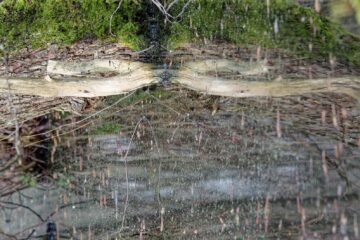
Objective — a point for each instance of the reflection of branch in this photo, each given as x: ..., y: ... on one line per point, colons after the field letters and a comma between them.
x: 162, y: 209
x: 23, y: 206
x: 68, y: 205
x: 29, y: 228
x: 126, y: 174
x: 30, y: 235
x: 45, y: 236
x: 39, y: 216
x: 126, y: 169
x: 8, y: 235
x: 14, y: 188
x: 43, y: 221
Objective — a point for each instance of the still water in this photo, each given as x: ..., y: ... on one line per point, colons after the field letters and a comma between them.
x: 175, y: 164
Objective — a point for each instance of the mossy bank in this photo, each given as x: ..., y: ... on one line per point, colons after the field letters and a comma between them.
x: 280, y: 24
x: 39, y: 22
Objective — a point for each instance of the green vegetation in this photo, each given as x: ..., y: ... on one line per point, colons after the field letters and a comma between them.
x: 64, y: 180
x: 343, y: 8
x: 28, y: 179
x: 282, y: 24
x: 107, y: 128
x: 36, y: 23
x: 142, y: 95
x: 161, y: 93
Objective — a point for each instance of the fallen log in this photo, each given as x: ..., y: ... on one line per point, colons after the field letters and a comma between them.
x: 83, y: 79
x: 234, y: 79
x: 212, y: 76
x: 276, y: 88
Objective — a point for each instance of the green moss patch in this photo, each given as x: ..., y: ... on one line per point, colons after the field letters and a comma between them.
x: 281, y: 24
x: 27, y: 23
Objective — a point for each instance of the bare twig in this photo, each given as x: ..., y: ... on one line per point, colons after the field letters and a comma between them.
x: 145, y: 50
x: 8, y: 235
x: 165, y: 10
x: 112, y: 15
x: 183, y: 9
x: 171, y: 4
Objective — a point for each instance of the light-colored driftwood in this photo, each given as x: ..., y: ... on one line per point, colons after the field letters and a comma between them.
x: 83, y: 79
x: 236, y: 79
x: 213, y: 76
x: 276, y: 88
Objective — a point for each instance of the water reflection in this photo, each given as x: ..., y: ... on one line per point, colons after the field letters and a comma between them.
x: 189, y: 166
x: 170, y: 163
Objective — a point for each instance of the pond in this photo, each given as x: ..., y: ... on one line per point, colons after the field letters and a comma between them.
x: 159, y: 164
x: 210, y: 140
